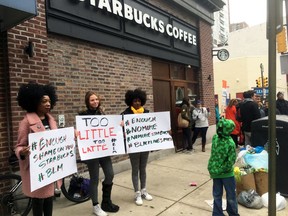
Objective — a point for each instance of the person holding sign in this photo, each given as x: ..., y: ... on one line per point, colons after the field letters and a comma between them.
x: 135, y: 100
x: 93, y: 106
x: 37, y: 100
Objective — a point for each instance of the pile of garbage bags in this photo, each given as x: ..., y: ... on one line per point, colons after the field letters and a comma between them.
x: 251, y: 174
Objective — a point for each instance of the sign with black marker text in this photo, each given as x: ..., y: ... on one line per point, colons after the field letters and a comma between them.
x: 147, y: 132
x: 99, y: 136
x: 52, y: 156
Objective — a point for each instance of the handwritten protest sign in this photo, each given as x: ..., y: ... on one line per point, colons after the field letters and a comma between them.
x: 99, y: 136
x: 147, y: 132
x: 52, y: 156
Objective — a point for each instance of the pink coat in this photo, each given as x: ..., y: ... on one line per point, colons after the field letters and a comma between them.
x: 32, y: 124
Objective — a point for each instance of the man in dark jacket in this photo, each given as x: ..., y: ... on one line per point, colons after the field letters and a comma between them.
x: 249, y: 112
x: 281, y: 104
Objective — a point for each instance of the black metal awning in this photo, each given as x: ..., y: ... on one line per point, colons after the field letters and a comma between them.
x: 13, y: 12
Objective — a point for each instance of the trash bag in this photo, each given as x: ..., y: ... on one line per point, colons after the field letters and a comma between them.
x: 281, y: 202
x: 257, y: 160
x: 250, y: 199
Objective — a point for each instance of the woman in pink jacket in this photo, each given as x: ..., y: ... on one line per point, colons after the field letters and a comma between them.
x: 37, y: 100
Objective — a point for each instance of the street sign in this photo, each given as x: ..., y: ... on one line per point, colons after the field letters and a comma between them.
x: 259, y: 91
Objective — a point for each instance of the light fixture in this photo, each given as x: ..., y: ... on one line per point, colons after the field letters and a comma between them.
x: 29, y: 49
x: 209, y: 78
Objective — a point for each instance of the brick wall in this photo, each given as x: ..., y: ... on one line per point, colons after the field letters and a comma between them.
x: 22, y: 68
x: 4, y: 125
x: 206, y: 69
x: 77, y: 66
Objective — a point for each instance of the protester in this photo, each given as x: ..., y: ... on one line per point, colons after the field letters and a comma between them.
x: 187, y: 132
x: 135, y: 100
x: 93, y: 105
x: 38, y: 100
x: 200, y: 115
x: 282, y: 104
x: 220, y: 167
x: 249, y: 112
x: 230, y: 113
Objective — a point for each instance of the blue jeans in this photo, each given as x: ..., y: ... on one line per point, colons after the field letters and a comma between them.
x: 230, y: 187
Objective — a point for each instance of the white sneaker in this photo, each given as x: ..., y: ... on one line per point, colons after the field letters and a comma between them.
x: 145, y: 195
x: 98, y: 211
x: 138, y: 199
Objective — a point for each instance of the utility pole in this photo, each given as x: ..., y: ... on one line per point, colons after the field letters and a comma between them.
x: 274, y: 26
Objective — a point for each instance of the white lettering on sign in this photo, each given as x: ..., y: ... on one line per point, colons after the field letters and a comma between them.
x: 133, y: 14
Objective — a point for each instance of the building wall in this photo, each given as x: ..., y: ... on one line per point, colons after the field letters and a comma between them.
x: 206, y: 85
x: 248, y: 48
x: 76, y: 66
x: 4, y: 124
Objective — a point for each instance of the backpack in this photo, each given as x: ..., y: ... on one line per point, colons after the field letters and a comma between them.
x: 79, y: 185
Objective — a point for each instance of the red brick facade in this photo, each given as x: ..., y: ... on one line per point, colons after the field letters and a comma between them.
x: 75, y: 67
x: 206, y: 68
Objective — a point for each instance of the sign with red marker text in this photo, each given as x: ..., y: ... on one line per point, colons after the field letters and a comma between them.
x: 99, y: 136
x: 147, y: 132
x: 52, y: 156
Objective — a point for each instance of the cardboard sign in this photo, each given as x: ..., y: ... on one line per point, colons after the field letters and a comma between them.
x: 99, y: 136
x: 147, y: 132
x: 52, y: 156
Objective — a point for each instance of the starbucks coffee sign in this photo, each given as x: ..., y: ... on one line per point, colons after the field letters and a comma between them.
x: 131, y: 25
x: 142, y: 18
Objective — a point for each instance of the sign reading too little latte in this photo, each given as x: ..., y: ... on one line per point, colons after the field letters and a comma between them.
x: 99, y: 136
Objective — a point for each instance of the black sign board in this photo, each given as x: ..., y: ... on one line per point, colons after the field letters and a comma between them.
x: 131, y: 25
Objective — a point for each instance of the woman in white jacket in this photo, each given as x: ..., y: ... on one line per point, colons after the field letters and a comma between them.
x: 200, y: 115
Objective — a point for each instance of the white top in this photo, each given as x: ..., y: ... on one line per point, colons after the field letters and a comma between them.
x: 200, y: 115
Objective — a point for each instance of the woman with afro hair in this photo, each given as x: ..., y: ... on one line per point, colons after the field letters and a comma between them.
x: 37, y: 100
x: 135, y: 100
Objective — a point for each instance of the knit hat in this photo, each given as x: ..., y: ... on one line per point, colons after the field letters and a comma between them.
x: 225, y: 127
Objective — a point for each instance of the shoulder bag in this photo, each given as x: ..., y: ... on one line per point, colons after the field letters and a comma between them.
x: 182, y: 123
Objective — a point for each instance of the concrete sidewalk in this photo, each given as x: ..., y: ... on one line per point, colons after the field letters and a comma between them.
x: 168, y: 178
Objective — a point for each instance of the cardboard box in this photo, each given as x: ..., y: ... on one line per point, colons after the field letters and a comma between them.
x: 247, y: 182
x: 261, y: 180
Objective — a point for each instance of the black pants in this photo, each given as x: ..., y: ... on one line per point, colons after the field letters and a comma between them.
x: 187, y: 141
x: 203, y: 132
x: 41, y: 206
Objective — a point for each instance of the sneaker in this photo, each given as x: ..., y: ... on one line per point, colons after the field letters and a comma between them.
x: 98, y: 211
x: 145, y: 195
x: 138, y: 199
x: 57, y: 192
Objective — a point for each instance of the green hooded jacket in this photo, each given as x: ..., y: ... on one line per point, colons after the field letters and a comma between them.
x: 223, y: 152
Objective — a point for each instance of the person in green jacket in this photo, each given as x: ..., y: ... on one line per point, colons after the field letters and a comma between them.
x: 221, y: 168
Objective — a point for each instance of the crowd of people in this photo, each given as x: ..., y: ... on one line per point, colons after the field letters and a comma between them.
x: 38, y: 100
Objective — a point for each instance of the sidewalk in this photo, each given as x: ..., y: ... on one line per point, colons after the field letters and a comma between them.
x: 168, y: 181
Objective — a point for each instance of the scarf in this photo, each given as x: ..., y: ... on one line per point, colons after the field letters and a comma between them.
x: 138, y: 111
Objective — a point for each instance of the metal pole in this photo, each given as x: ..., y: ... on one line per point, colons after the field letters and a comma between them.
x: 273, y: 16
x: 262, y: 81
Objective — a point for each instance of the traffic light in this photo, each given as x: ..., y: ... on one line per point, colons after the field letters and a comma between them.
x: 258, y: 82
x: 265, y: 82
x: 281, y: 41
